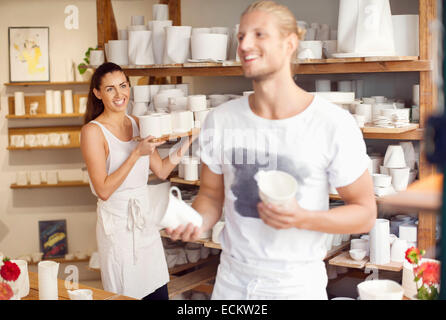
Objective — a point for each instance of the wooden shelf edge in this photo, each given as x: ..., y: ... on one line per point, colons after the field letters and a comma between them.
x: 43, y: 148
x: 328, y: 66
x: 62, y: 260
x: 45, y: 83
x: 45, y: 185
x: 182, y: 181
x: 344, y: 260
x: 46, y: 116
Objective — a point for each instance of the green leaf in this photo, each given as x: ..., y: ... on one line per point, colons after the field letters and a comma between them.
x: 82, y: 67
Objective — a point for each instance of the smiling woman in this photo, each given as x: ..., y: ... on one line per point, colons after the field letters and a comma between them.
x: 118, y: 165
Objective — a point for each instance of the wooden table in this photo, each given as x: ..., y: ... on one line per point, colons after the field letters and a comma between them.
x: 63, y: 294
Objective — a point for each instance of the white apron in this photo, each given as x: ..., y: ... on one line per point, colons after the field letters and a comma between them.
x: 239, y: 281
x: 129, y: 244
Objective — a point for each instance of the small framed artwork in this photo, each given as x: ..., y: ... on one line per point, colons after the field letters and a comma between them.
x: 53, y: 238
x: 29, y: 58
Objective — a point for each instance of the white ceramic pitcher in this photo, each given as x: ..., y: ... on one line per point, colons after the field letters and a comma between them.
x: 179, y: 212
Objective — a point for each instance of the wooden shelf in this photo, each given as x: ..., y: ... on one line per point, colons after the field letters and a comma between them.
x: 182, y: 181
x: 39, y: 83
x: 46, y: 185
x: 320, y: 66
x: 62, y: 260
x: 47, y: 116
x: 337, y: 249
x: 373, y: 129
x: 417, y: 134
x: 344, y: 260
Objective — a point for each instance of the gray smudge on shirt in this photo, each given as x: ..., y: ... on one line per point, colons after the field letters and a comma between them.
x: 244, y: 187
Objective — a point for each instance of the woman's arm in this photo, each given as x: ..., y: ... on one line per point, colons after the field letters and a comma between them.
x: 94, y: 151
x: 163, y: 167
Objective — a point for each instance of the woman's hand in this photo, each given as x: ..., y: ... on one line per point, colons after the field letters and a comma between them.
x: 146, y: 147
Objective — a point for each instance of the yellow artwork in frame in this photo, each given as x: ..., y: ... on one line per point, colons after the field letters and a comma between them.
x: 29, y: 54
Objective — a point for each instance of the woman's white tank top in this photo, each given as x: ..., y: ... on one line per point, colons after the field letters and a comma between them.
x: 119, y: 151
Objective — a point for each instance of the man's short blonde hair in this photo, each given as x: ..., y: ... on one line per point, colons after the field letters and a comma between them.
x: 285, y: 18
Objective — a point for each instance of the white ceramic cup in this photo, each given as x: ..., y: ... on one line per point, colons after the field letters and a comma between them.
x: 314, y: 46
x: 179, y: 212
x: 18, y: 141
x: 400, y: 178
x: 398, y: 250
x: 65, y: 138
x: 182, y: 121
x: 22, y: 178
x: 150, y: 125
x: 276, y: 187
x: 197, y: 102
x: 34, y: 177
x: 190, y: 167
x: 54, y: 139
x: 30, y: 140
x: 141, y: 93
x: 42, y: 139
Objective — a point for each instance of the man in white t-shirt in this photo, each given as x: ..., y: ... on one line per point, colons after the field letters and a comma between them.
x: 271, y: 252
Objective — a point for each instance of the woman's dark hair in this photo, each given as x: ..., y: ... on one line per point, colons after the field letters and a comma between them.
x: 95, y: 106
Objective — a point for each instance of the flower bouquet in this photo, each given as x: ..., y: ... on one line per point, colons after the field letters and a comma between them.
x: 9, y: 272
x: 425, y: 272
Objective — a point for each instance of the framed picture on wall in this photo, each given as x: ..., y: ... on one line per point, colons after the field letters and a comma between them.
x: 29, y: 58
x: 53, y: 238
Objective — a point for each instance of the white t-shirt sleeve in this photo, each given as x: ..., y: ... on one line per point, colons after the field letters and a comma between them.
x: 210, y: 150
x: 349, y: 157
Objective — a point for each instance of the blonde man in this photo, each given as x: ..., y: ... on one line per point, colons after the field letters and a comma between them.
x: 271, y: 252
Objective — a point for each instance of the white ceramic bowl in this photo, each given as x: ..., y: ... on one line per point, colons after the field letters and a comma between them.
x: 357, y: 254
x: 380, y: 290
x: 381, y: 180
